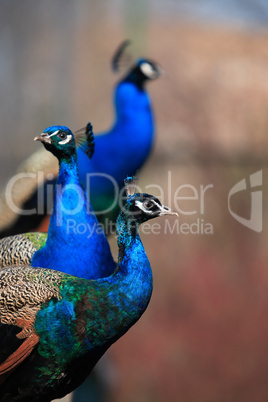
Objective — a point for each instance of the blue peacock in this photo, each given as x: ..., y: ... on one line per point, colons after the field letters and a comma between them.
x: 74, y: 232
x: 55, y: 327
x: 119, y: 153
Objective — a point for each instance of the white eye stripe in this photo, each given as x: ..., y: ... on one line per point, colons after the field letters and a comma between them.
x: 148, y: 70
x: 55, y: 133
x: 68, y: 139
x: 141, y: 206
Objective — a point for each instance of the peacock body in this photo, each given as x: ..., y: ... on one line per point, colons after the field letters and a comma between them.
x: 54, y: 327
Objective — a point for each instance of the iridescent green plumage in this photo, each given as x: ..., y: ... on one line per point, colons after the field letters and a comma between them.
x: 57, y: 326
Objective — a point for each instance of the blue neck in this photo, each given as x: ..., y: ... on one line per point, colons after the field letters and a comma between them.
x: 129, y: 289
x: 75, y: 243
x: 131, y: 285
x: 68, y: 169
x: 133, y: 264
x: 69, y: 196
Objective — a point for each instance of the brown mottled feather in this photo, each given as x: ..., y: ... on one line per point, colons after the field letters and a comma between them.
x: 22, y: 292
x: 18, y: 249
x: 20, y: 354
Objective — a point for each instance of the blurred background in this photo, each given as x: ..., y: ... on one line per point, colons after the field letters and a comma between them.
x: 204, y: 336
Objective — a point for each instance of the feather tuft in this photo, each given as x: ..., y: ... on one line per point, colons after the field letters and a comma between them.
x: 120, y: 57
x: 84, y: 139
x: 130, y: 185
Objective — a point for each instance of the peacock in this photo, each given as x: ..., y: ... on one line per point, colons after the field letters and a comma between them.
x: 55, y: 327
x: 119, y: 152
x: 74, y: 232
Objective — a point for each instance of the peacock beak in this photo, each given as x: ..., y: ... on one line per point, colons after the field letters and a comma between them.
x: 160, y: 70
x: 167, y: 211
x: 43, y: 138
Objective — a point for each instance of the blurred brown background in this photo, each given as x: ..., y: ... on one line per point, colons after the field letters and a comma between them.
x: 204, y: 336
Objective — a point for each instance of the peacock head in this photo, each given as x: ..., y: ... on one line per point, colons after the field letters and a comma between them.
x: 140, y: 207
x: 61, y: 142
x: 140, y: 71
x: 149, y: 69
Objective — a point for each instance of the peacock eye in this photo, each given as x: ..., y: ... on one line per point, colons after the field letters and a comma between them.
x: 148, y: 204
x: 62, y: 135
